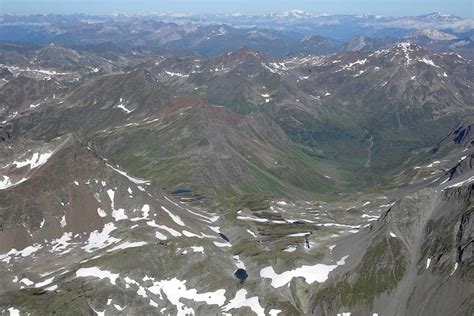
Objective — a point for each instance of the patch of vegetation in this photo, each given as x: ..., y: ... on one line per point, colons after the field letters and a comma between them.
x: 381, y: 268
x: 252, y: 201
x: 266, y: 252
x: 71, y: 300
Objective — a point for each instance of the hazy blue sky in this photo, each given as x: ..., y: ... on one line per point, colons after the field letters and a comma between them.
x: 382, y: 7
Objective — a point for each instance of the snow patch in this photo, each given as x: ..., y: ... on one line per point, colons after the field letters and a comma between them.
x: 461, y: 183
x: 238, y: 262
x: 160, y: 236
x: 222, y: 244
x: 119, y: 214
x: 251, y: 233
x: 197, y: 249
x: 299, y: 234
x: 27, y: 282
x: 101, y: 240
x: 61, y: 243
x: 45, y: 282
x: 174, y: 217
x: 428, y: 62
x: 127, y: 245
x: 13, y: 311
x: 122, y: 107
x: 175, y: 290
x: 255, y: 219
x: 101, y: 212
x: 241, y: 300
x: 35, y: 161
x: 26, y: 252
x: 318, y: 272
x: 173, y: 232
x: 133, y: 179
x: 97, y: 273
x: 176, y: 74
x: 455, y: 268
x: 63, y: 222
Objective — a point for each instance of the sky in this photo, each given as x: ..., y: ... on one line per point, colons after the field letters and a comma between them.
x: 462, y: 8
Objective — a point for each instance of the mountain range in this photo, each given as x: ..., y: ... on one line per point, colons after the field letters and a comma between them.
x: 151, y: 166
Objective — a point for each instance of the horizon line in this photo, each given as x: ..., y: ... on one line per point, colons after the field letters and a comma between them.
x: 230, y: 13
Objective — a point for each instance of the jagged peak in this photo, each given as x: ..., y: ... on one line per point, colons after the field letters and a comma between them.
x: 406, y: 46
x: 53, y: 49
x: 409, y: 51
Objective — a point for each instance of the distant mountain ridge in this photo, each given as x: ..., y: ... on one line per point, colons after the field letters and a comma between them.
x: 278, y: 34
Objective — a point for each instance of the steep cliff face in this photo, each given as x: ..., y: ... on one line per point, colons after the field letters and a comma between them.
x: 438, y: 279
x: 417, y: 259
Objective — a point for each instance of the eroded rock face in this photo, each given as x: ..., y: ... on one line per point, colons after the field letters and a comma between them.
x: 465, y: 238
x: 417, y: 245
